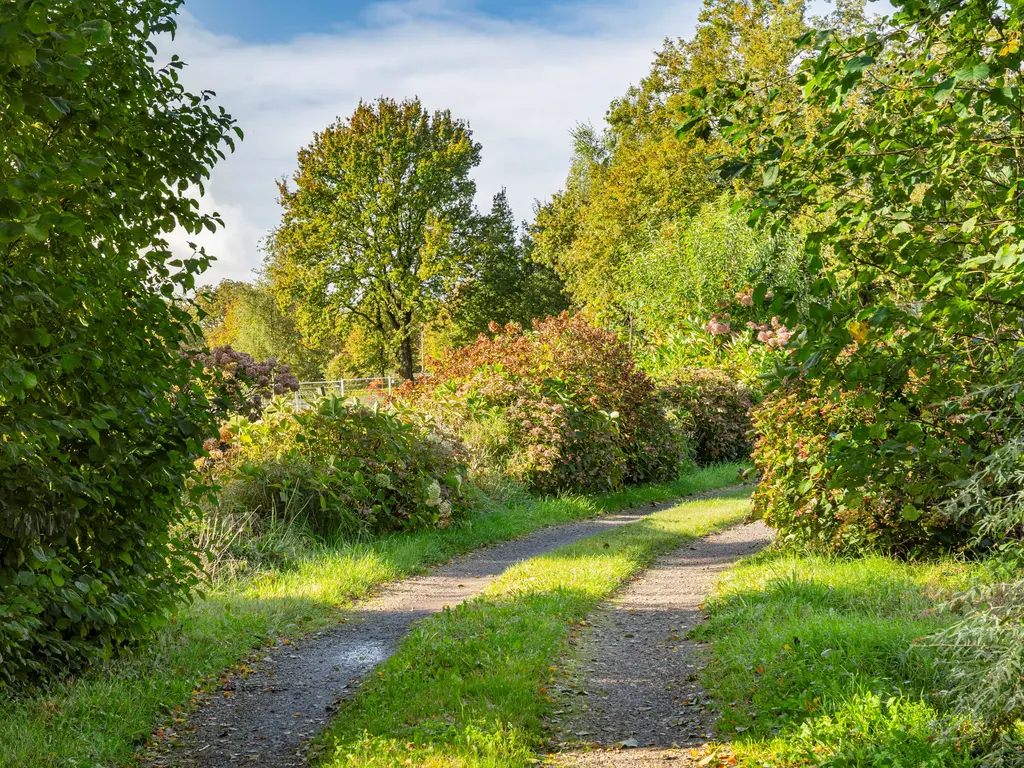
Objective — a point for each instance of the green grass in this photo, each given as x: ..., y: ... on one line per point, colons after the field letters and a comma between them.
x: 814, y: 662
x: 469, y: 687
x: 99, y: 719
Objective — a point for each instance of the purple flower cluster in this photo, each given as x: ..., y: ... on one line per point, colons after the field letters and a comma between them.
x: 245, y: 382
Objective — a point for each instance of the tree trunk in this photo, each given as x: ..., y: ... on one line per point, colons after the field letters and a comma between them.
x: 405, y: 359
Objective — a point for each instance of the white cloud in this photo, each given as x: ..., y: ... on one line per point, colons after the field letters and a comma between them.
x: 521, y: 87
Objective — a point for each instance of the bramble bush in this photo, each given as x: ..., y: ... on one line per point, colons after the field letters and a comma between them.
x: 100, y: 416
x: 559, y: 407
x: 713, y: 410
x: 813, y: 490
x: 339, y: 469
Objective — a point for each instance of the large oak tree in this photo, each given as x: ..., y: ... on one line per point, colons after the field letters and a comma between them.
x: 376, y: 223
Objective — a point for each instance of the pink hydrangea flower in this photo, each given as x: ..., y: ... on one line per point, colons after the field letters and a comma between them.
x: 719, y: 326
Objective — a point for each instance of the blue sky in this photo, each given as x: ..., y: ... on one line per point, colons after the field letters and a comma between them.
x: 522, y: 73
x: 278, y: 20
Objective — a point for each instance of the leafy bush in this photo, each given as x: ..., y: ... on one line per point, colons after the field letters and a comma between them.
x: 690, y: 345
x: 561, y: 407
x: 240, y: 384
x: 340, y: 468
x: 916, y: 277
x: 714, y: 410
x: 817, y: 497
x: 100, y: 417
x: 743, y: 339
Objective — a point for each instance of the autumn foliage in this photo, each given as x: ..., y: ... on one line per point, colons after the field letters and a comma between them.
x: 818, y: 497
x: 713, y: 410
x: 558, y: 407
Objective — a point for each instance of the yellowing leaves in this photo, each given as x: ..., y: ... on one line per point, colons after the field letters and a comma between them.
x: 859, y: 330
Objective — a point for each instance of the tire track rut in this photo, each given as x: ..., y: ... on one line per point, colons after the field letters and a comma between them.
x: 642, y: 704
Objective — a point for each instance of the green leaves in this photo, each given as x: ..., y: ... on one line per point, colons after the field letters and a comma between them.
x: 97, y: 31
x: 11, y: 231
x: 902, y: 153
x: 92, y: 460
x: 374, y: 228
x: 942, y: 91
x: 910, y: 513
x: 56, y: 107
x: 347, y: 469
x: 972, y: 74
x: 859, y: 63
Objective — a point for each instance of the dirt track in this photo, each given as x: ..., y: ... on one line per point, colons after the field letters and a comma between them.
x: 272, y: 714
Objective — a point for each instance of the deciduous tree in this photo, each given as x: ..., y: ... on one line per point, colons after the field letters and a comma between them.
x: 376, y: 223
x: 505, y: 284
x: 632, y: 184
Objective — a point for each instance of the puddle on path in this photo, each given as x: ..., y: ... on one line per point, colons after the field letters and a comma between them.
x: 362, y: 654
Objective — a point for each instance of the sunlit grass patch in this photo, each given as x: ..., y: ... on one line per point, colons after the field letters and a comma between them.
x: 815, y: 662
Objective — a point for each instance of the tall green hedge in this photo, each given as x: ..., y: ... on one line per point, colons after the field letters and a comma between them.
x: 99, y: 417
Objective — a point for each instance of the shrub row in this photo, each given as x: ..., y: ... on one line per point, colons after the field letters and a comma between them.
x: 713, y: 410
x: 559, y: 407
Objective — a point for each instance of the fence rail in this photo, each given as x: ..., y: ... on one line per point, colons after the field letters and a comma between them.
x: 367, y: 391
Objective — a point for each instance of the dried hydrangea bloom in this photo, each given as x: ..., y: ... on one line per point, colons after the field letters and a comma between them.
x: 245, y: 382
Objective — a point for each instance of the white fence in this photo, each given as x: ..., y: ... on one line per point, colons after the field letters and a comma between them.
x: 367, y: 391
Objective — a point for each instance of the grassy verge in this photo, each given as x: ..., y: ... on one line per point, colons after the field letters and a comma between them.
x: 470, y: 686
x: 815, y: 663
x: 100, y: 718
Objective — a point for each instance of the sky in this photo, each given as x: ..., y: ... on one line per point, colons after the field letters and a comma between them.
x: 523, y: 73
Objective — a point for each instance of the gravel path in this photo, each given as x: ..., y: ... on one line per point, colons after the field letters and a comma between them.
x: 642, y: 705
x: 271, y: 714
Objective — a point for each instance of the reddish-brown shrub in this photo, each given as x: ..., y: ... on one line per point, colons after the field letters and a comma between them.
x: 713, y: 409
x: 559, y: 407
x: 819, y: 498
